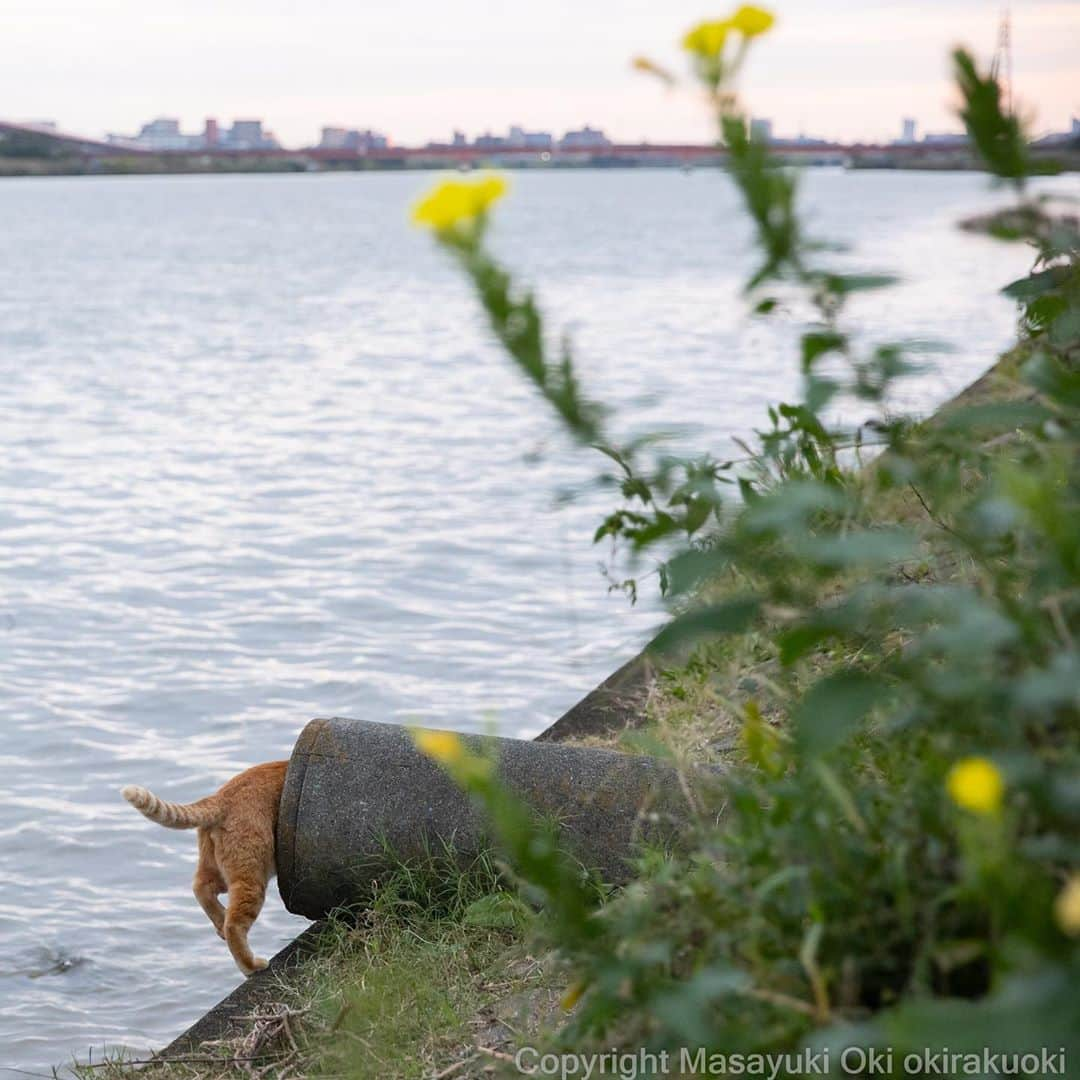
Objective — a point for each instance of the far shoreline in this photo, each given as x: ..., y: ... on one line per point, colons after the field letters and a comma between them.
x: 855, y: 159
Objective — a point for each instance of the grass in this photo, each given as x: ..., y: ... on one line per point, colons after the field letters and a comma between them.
x: 436, y: 969
x: 387, y: 996
x: 431, y: 972
x: 400, y: 997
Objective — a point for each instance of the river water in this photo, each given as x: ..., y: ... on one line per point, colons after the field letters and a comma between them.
x: 261, y: 463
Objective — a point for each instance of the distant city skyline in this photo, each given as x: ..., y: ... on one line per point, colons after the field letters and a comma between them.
x: 418, y: 72
x: 167, y: 134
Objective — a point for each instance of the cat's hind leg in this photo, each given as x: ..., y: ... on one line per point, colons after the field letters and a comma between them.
x: 246, y: 896
x: 209, y: 884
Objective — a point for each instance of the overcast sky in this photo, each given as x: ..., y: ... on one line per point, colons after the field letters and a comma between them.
x: 416, y: 69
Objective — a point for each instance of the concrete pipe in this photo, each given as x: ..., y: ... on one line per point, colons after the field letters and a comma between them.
x: 355, y: 790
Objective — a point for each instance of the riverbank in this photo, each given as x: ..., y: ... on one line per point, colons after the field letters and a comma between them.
x: 180, y: 164
x: 450, y: 975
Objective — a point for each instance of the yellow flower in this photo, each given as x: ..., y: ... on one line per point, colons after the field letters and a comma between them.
x: 469, y: 769
x: 444, y: 746
x: 1067, y: 907
x: 455, y: 202
x: 976, y: 785
x: 751, y: 21
x: 707, y: 38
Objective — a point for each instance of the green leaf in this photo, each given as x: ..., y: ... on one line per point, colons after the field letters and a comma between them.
x: 1034, y: 285
x: 1046, y: 688
x: 994, y: 417
x: 1045, y: 311
x: 791, y: 506
x: 819, y: 342
x: 796, y: 642
x: 1026, y: 1013
x: 712, y: 620
x: 849, y: 283
x: 690, y: 568
x: 1050, y: 377
x: 997, y: 137
x: 688, y: 1009
x: 970, y: 630
x: 833, y: 707
x: 819, y: 392
x: 1064, y: 328
x: 867, y: 547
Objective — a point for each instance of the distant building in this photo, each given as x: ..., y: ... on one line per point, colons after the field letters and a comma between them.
x: 585, y: 138
x: 519, y: 138
x: 804, y: 141
x: 908, y: 129
x: 530, y: 140
x: 1061, y: 138
x: 339, y: 138
x: 366, y: 140
x: 487, y: 141
x: 248, y: 135
x: 945, y: 138
x: 164, y: 134
x: 332, y: 138
x: 761, y: 129
x: 458, y: 141
x: 163, y: 127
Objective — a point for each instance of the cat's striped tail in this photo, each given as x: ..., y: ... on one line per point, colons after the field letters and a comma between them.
x: 196, y: 815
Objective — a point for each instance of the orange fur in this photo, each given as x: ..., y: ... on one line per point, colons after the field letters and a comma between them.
x: 236, y: 849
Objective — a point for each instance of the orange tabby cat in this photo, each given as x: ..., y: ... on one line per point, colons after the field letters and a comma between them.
x: 236, y: 848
